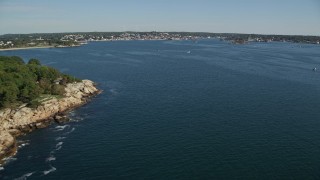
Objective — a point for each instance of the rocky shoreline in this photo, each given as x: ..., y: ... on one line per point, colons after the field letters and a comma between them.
x: 16, y: 122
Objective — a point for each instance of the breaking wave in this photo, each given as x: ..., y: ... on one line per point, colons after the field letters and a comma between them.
x: 52, y: 169
x: 25, y: 176
x: 60, y: 138
x: 51, y: 158
x: 61, y: 128
x: 10, y: 159
x: 70, y: 131
x: 23, y: 145
x: 59, y: 144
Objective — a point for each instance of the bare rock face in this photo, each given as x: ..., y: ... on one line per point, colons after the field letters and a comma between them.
x: 6, y: 140
x: 7, y: 144
x: 25, y: 119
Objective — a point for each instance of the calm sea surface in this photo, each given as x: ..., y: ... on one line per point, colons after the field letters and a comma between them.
x: 222, y: 111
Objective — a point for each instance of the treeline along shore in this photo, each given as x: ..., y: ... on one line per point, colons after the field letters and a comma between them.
x: 33, y: 96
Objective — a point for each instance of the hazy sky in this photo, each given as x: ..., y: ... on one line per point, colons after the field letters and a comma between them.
x: 238, y: 16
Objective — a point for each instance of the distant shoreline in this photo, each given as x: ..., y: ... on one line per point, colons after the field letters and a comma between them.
x: 12, y: 49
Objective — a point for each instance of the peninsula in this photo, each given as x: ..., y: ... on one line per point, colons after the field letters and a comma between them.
x: 33, y: 96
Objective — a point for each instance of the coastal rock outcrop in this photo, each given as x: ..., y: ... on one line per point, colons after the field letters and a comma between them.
x: 14, y: 122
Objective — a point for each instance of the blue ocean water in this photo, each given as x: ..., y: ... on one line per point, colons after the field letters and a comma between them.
x: 221, y: 111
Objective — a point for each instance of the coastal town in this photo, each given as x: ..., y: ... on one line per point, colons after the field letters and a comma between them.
x: 127, y: 36
x: 9, y: 41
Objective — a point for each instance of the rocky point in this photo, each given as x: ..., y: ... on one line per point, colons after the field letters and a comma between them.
x: 14, y: 122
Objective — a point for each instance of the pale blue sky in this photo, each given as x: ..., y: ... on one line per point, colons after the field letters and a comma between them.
x: 230, y: 16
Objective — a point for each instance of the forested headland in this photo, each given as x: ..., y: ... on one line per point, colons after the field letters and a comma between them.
x: 28, y: 83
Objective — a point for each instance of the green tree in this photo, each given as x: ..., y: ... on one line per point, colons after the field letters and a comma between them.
x: 8, y: 94
x: 34, y: 61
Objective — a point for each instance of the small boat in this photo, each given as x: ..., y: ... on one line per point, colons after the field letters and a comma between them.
x: 314, y: 69
x: 188, y: 52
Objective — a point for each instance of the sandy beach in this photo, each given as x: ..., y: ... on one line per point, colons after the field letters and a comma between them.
x: 11, y: 49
